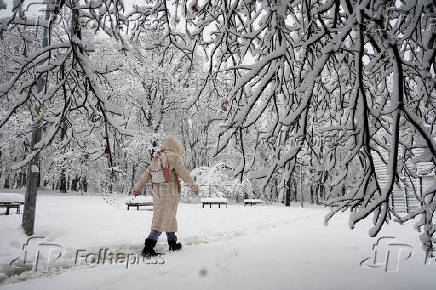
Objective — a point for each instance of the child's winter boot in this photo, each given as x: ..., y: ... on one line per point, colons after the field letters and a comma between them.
x: 148, y: 248
x: 174, y: 246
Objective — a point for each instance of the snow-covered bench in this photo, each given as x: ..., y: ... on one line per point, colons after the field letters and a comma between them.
x: 213, y: 200
x: 9, y: 205
x: 11, y: 200
x: 139, y: 201
x: 252, y: 202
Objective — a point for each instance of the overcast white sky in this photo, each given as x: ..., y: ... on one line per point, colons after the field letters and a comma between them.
x: 34, y: 8
x: 4, y: 12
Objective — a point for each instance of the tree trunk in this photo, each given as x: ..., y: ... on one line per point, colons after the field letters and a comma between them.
x: 84, y: 184
x: 288, y: 192
x: 23, y: 178
x: 312, y: 200
x: 74, y: 184
x: 133, y: 176
x: 63, y: 182
x: 28, y: 220
x: 33, y: 175
x: 6, y: 181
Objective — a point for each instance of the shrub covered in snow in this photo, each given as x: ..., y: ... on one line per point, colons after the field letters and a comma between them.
x: 217, y: 181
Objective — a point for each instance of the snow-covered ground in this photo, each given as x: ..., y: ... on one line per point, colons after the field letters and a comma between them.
x: 261, y: 247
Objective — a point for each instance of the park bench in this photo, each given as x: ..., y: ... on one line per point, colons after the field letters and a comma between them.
x: 8, y: 205
x: 251, y: 202
x: 11, y: 200
x: 210, y: 201
x: 138, y: 204
x: 140, y: 201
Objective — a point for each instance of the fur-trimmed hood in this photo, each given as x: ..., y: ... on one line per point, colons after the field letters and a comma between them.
x: 172, y: 144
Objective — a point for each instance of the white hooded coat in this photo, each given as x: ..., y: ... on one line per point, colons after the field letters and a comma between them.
x: 166, y: 196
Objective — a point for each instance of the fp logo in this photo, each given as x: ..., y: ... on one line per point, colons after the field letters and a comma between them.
x: 388, y: 254
x: 38, y: 254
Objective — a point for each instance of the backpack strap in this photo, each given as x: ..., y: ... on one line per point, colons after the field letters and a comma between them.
x: 159, y: 154
x: 178, y: 182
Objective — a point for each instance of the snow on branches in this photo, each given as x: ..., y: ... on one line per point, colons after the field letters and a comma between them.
x: 358, y: 74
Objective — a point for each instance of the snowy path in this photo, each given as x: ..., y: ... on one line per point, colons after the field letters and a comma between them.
x: 263, y: 247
